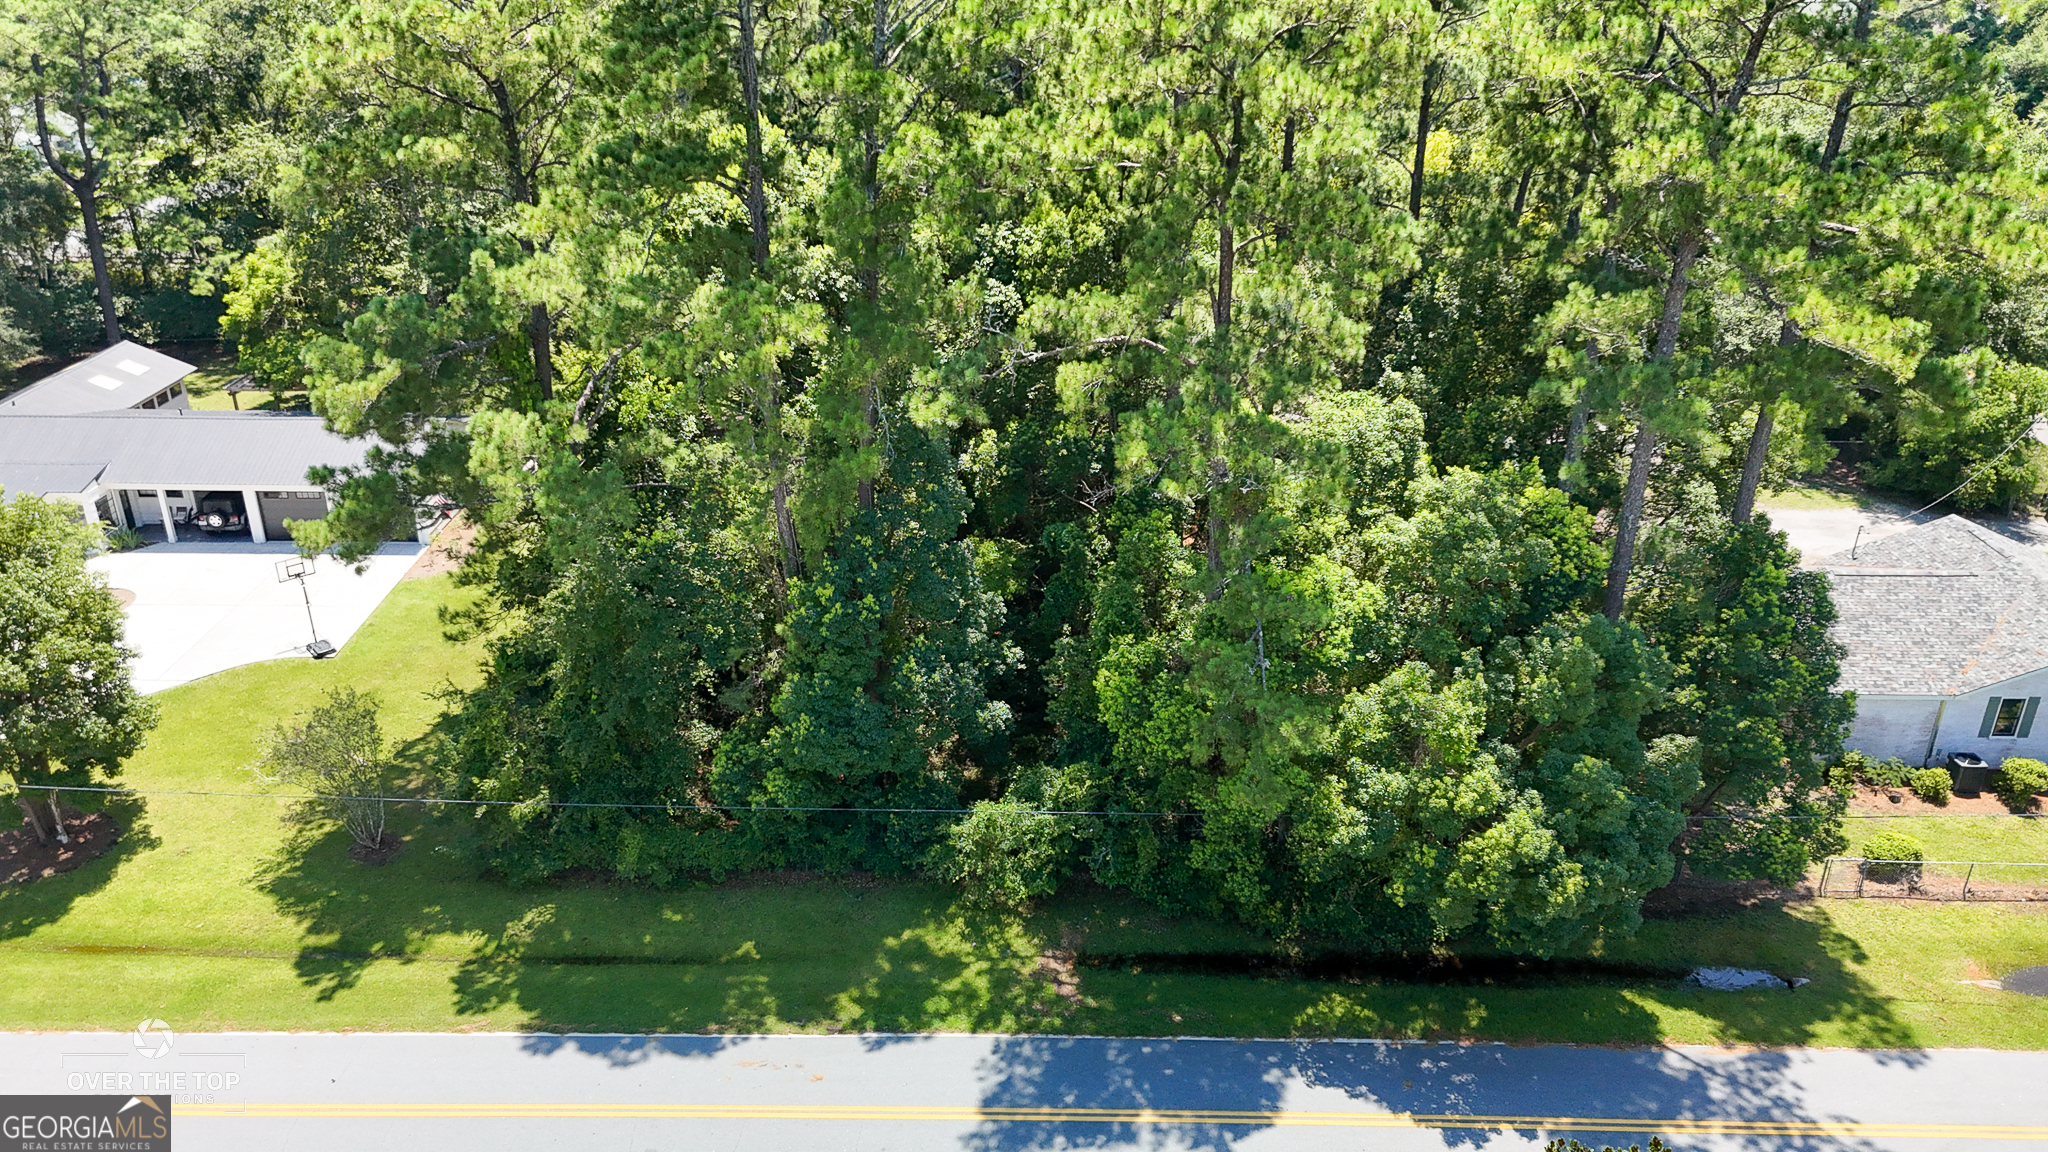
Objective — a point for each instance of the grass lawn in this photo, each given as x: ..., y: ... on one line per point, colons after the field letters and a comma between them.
x: 214, y: 913
x: 207, y: 387
x: 1993, y: 838
x: 1823, y: 492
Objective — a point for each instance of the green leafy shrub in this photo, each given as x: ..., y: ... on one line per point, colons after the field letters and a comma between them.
x: 1930, y: 784
x: 1850, y: 768
x: 124, y: 540
x: 1562, y: 1145
x: 1893, y: 856
x: 1891, y: 773
x: 1003, y: 853
x: 2019, y: 778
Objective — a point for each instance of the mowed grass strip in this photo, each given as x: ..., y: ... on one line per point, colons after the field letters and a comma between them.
x: 216, y: 913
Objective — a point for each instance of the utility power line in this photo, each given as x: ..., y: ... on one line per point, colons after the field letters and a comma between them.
x: 690, y: 807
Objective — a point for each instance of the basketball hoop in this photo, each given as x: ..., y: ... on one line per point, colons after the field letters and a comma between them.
x: 298, y: 568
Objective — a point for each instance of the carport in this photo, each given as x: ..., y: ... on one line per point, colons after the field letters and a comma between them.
x: 177, y: 471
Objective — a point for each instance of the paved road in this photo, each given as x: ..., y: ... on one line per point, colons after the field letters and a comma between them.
x: 1010, y: 1093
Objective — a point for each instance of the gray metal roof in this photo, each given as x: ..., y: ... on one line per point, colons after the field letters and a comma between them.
x: 42, y: 479
x: 121, y: 377
x: 1940, y: 609
x: 172, y: 447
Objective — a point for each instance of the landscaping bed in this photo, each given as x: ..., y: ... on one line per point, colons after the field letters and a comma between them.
x: 24, y: 859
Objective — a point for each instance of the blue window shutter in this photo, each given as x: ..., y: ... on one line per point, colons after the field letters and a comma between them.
x: 2027, y: 721
x: 1990, y: 717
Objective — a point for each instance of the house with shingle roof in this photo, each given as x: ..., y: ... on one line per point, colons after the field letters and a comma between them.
x: 1946, y: 631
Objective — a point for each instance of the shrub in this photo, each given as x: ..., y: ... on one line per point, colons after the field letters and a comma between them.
x: 2018, y: 779
x: 1005, y: 854
x: 1894, y: 857
x: 124, y: 540
x: 1853, y: 766
x: 1931, y: 785
x: 1891, y: 773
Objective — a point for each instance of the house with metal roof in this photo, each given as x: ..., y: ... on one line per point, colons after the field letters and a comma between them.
x: 117, y: 433
x: 1946, y: 631
x: 124, y: 376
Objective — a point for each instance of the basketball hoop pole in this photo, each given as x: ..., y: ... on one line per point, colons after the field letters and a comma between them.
x: 298, y: 569
x: 308, y: 597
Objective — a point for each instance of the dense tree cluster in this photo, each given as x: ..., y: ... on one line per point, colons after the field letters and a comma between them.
x: 1294, y: 459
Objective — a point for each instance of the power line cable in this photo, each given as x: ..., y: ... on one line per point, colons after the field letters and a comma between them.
x: 683, y: 807
x: 1985, y: 467
x: 676, y: 807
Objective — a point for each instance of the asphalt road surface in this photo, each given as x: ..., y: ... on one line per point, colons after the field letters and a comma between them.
x: 273, y: 1091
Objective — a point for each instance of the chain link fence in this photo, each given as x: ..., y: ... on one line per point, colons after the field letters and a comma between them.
x: 1858, y: 876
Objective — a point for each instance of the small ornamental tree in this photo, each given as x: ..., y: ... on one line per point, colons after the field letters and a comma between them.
x: 337, y: 755
x: 67, y: 706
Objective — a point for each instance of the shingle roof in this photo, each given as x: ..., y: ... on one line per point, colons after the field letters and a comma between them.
x: 120, y: 377
x: 172, y: 446
x: 1939, y: 609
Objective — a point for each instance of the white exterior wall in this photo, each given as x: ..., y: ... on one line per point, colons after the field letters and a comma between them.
x: 1965, y: 715
x: 1900, y: 726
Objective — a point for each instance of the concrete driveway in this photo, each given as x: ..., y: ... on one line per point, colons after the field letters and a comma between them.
x: 1821, y: 532
x: 204, y: 607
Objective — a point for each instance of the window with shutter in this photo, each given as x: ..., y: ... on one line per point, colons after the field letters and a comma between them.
x: 2027, y: 721
x: 2011, y: 711
x: 1990, y: 717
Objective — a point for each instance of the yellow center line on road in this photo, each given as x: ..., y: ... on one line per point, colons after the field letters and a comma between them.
x: 981, y: 1114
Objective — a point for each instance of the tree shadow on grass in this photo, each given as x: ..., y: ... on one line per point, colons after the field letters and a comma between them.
x: 1839, y: 1006
x: 922, y: 965
x: 775, y: 953
x: 353, y: 915
x: 27, y: 907
x: 766, y: 953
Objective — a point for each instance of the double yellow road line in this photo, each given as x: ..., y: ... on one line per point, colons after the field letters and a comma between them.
x: 970, y: 1114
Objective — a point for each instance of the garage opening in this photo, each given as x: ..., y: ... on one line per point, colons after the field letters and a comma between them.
x: 278, y: 507
x: 219, y: 516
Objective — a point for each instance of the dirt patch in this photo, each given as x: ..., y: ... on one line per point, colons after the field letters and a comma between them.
x: 451, y: 545
x: 122, y: 596
x: 1876, y: 801
x: 23, y: 860
x: 1843, y: 882
x: 1702, y: 895
x: 378, y: 854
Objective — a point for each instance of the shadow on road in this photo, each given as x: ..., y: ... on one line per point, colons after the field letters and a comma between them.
x: 1494, y: 1084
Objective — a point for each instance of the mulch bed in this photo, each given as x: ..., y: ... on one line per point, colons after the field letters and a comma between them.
x: 1873, y: 801
x: 383, y: 852
x: 446, y: 554
x: 23, y: 860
